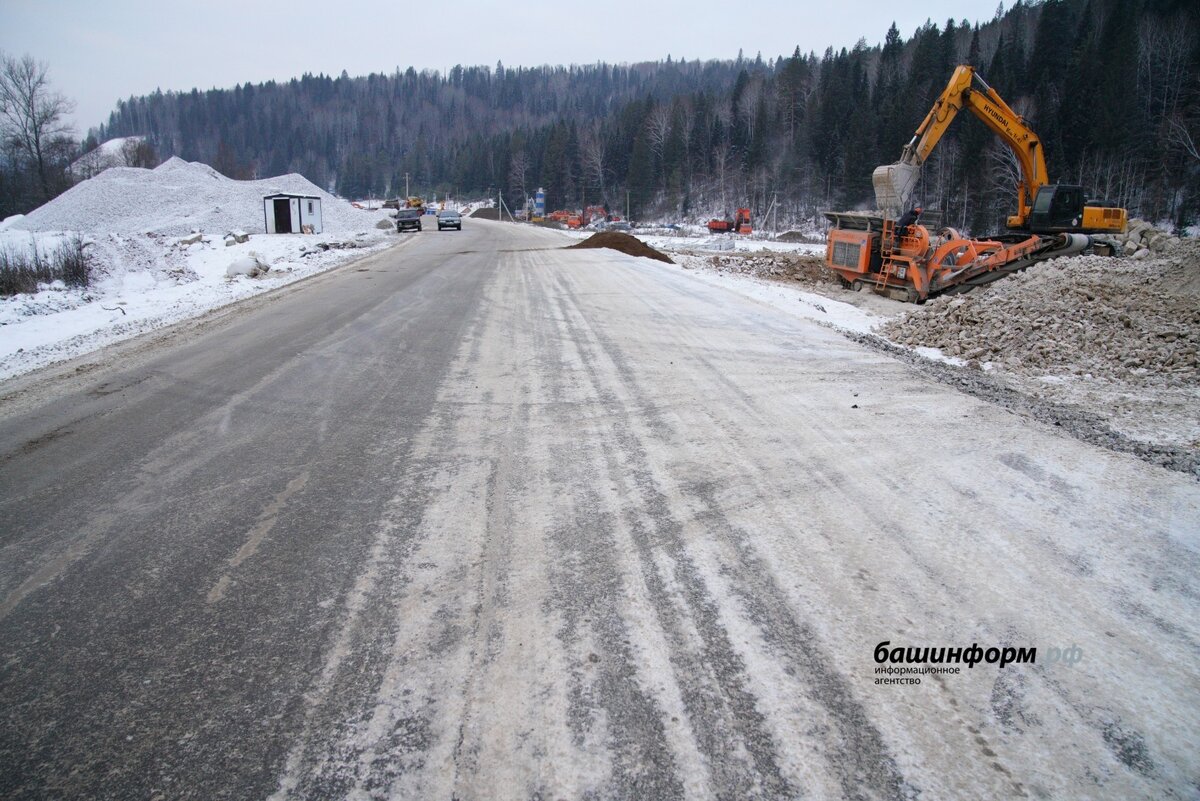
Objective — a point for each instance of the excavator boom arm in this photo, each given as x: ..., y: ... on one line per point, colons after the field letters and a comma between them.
x: 893, y: 183
x: 938, y: 120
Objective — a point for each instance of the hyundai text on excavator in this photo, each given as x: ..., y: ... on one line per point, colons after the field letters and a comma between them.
x: 1051, y: 219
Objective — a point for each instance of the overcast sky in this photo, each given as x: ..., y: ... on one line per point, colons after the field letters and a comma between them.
x: 103, y: 50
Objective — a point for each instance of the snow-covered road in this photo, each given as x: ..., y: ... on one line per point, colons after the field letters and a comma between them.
x: 480, y: 518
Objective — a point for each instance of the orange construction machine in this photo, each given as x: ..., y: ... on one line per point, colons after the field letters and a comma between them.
x: 589, y: 215
x: 740, y: 224
x: 904, y: 258
x: 1042, y: 207
x: 910, y: 263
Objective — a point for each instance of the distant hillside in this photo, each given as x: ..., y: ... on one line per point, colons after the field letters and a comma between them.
x: 1111, y: 86
x: 360, y: 135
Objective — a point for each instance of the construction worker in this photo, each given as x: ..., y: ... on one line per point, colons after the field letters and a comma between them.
x: 907, y: 220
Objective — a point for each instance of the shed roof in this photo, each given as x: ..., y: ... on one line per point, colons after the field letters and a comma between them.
x: 290, y: 194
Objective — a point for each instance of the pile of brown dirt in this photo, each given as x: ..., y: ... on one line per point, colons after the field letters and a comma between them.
x: 615, y: 240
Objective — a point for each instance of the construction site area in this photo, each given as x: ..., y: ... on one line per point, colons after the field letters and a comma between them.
x: 1075, y: 314
x: 642, y: 497
x: 1108, y: 348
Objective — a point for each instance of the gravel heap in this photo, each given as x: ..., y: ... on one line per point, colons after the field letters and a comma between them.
x: 178, y: 197
x: 1133, y: 320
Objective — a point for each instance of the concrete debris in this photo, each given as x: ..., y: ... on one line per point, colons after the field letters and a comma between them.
x: 192, y: 239
x: 236, y: 238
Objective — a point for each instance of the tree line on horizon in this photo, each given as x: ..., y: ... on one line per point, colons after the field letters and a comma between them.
x: 1112, y: 87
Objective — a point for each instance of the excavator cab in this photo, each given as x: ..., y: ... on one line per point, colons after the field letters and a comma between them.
x: 1060, y: 208
x: 1056, y: 207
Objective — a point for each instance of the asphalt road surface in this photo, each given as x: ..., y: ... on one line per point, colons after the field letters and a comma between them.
x: 480, y: 518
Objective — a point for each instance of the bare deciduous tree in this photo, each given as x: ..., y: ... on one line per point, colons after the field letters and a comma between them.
x: 721, y: 158
x: 748, y: 106
x: 518, y: 168
x: 138, y: 152
x: 32, y: 115
x: 592, y: 158
x: 1179, y: 135
x: 1005, y: 173
x: 658, y: 127
x: 1164, y: 47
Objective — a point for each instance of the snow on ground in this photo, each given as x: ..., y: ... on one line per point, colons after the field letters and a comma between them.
x: 59, y: 324
x: 795, y: 301
x: 1122, y: 332
x: 134, y: 223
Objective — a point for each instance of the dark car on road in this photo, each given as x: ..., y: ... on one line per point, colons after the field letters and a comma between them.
x: 408, y: 220
x: 448, y: 218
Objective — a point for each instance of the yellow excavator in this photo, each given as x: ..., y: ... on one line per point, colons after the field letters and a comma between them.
x: 907, y: 260
x: 1042, y: 207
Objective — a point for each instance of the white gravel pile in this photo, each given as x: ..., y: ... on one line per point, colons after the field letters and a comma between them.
x: 1129, y: 320
x: 178, y: 197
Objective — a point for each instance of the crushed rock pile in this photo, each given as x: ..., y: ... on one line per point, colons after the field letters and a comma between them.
x: 176, y: 198
x: 615, y: 240
x: 807, y: 269
x: 1136, y: 321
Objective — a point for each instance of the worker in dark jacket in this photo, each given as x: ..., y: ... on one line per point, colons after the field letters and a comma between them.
x: 907, y: 219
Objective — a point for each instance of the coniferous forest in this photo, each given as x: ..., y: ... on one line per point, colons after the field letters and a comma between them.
x: 1112, y: 87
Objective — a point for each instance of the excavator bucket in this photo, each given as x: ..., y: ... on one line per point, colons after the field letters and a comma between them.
x: 894, y: 184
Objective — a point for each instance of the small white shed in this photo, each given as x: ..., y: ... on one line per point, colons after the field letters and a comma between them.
x: 286, y: 213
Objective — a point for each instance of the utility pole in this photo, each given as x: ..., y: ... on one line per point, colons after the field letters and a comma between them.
x: 406, y: 186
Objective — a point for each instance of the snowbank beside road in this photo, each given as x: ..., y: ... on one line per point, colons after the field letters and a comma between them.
x: 149, y: 268
x: 153, y: 288
x: 795, y: 301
